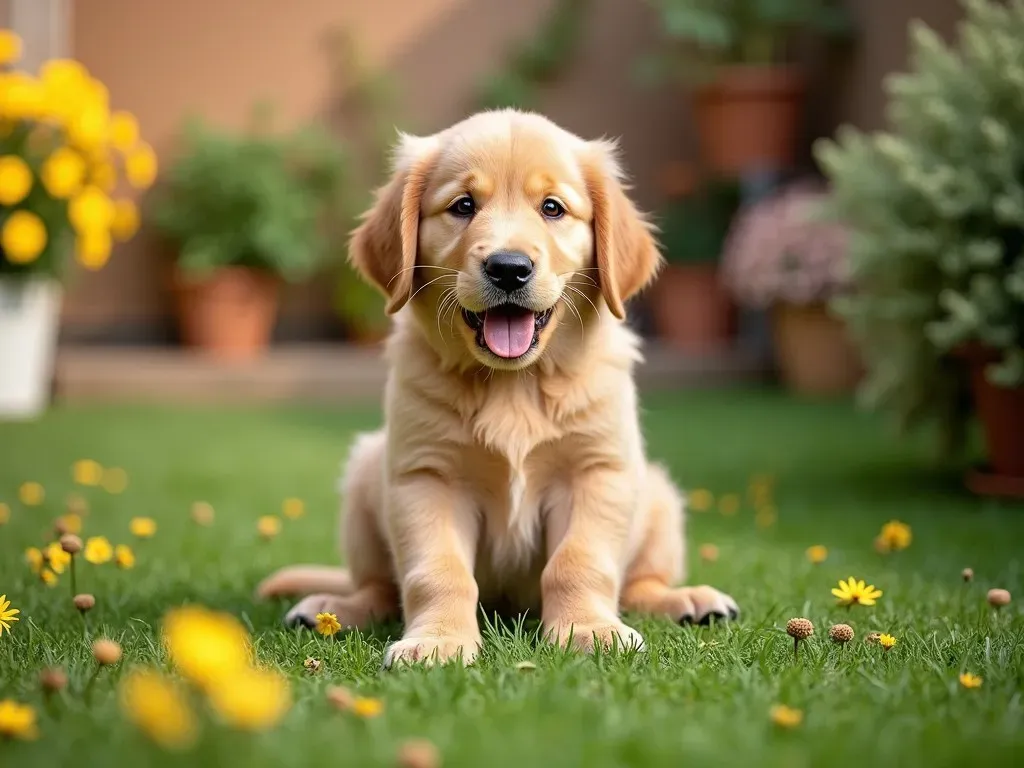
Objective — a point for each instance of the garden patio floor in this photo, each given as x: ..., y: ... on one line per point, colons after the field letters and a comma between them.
x: 319, y: 373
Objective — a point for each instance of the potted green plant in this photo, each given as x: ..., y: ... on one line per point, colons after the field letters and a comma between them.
x: 63, y: 153
x: 691, y: 310
x: 245, y: 212
x: 781, y: 256
x: 740, y: 58
x: 936, y: 203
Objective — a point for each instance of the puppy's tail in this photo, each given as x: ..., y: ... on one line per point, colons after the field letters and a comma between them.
x: 306, y: 580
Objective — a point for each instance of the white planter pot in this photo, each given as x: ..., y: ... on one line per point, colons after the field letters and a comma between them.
x: 29, y: 312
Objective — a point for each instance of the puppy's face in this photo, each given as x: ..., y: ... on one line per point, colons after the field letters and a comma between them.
x: 499, y: 230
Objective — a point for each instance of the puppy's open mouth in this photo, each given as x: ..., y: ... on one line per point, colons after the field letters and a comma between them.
x: 508, y: 331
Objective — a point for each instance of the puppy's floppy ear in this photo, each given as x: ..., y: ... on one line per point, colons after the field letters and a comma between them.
x: 627, y: 253
x: 383, y: 246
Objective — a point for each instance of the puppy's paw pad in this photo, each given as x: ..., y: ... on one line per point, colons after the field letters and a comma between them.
x: 431, y: 650
x: 712, y: 604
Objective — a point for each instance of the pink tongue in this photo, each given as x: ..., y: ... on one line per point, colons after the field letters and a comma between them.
x: 508, y: 335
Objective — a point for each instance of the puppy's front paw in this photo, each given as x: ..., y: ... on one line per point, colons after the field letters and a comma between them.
x: 587, y: 637
x: 708, y: 603
x: 432, y: 650
x: 303, y: 613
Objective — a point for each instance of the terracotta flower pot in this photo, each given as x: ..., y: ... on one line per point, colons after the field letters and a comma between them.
x: 1001, y: 412
x: 749, y: 117
x: 814, y: 354
x: 231, y: 314
x: 691, y: 309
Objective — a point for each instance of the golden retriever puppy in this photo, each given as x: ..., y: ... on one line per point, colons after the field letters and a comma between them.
x: 511, y: 468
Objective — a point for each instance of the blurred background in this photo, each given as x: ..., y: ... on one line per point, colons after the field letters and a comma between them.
x: 229, y: 146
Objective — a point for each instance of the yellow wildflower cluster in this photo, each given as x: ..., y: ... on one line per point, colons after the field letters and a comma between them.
x: 63, y: 144
x: 893, y: 537
x: 213, y: 652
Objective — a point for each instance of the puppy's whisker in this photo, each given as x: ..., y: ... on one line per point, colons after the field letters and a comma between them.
x: 427, y: 284
x: 576, y: 273
x: 581, y: 293
x: 420, y: 266
x: 448, y: 296
x: 572, y: 307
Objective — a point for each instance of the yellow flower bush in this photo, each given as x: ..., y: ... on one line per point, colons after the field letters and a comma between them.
x: 63, y: 155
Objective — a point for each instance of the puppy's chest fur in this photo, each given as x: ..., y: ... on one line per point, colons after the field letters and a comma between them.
x: 510, y: 462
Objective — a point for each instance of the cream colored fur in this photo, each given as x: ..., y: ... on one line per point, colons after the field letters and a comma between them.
x: 522, y: 482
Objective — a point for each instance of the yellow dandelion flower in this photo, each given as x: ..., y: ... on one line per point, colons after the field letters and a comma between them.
x: 31, y: 494
x: 855, y: 592
x: 268, y: 526
x: 10, y: 47
x: 140, y: 166
x: 729, y: 504
x: 115, y: 480
x: 70, y: 523
x: 202, y: 513
x: 56, y: 557
x: 967, y: 680
x: 17, y: 721
x: 817, y: 554
x: 206, y: 646
x: 293, y: 508
x: 15, y: 180
x: 700, y: 500
x: 8, y: 615
x: 124, y: 130
x: 327, y: 624
x: 126, y: 220
x: 124, y: 558
x: 48, y: 577
x: 142, y: 527
x: 786, y: 717
x: 159, y: 707
x: 63, y: 173
x: 93, y: 248
x: 87, y: 472
x: 886, y: 641
x: 88, y: 127
x: 364, y: 707
x: 98, y: 550
x: 5, y: 514
x: 895, y: 536
x: 253, y: 699
x: 23, y: 237
x: 34, y: 559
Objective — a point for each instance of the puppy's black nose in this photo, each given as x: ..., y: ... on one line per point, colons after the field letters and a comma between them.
x: 508, y: 270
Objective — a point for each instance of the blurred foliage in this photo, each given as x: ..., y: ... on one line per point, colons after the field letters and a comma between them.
x: 701, y: 35
x: 693, y: 227
x: 937, y: 208
x: 255, y: 198
x: 537, y: 61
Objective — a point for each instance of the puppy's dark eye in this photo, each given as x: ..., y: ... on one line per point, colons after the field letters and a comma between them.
x: 464, y: 207
x: 552, y: 209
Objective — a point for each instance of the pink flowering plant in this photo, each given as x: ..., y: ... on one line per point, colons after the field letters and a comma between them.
x: 780, y: 250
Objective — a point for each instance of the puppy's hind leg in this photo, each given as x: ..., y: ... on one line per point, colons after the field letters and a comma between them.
x: 659, y: 565
x: 371, y: 595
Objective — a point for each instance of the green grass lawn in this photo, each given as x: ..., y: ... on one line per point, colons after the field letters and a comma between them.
x: 699, y: 696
